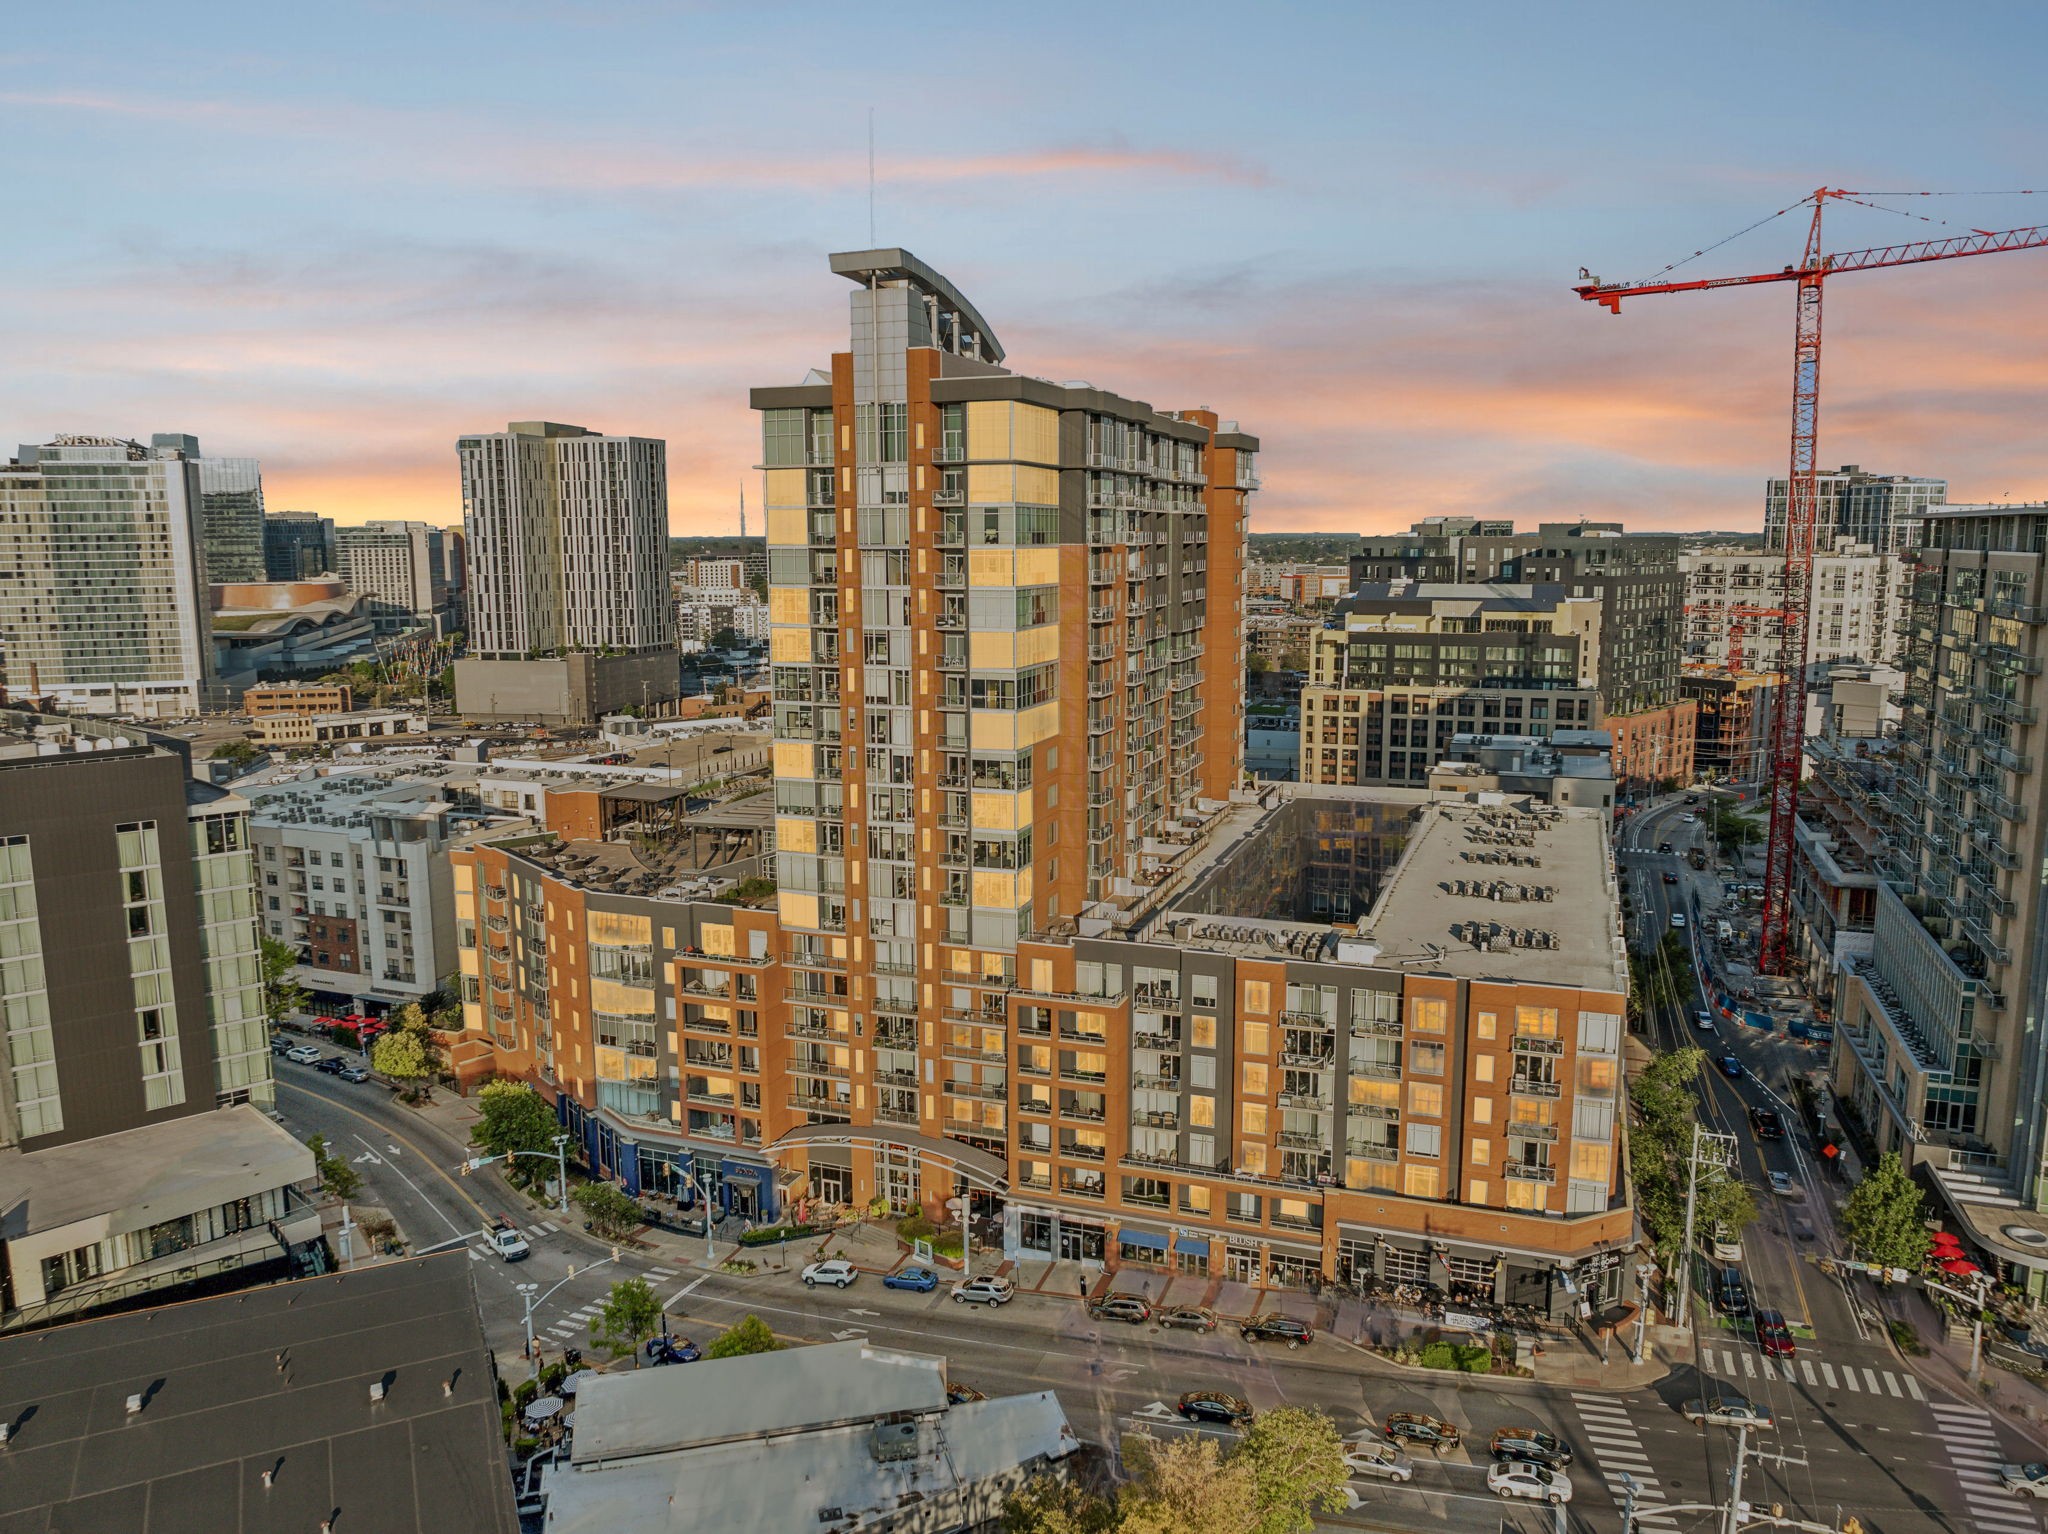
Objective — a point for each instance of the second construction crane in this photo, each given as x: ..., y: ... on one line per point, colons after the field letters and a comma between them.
x: 1788, y: 722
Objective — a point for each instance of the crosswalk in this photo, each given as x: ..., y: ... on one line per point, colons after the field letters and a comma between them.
x: 1815, y: 1373
x: 1618, y: 1450
x: 1973, y: 1449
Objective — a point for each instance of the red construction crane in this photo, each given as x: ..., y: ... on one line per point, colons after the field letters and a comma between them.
x: 1788, y: 723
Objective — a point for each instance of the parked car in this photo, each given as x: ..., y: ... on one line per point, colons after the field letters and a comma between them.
x: 1365, y: 1456
x: 1729, y: 1294
x: 1727, y: 1411
x: 1704, y: 1021
x: 2027, y: 1480
x: 331, y: 1065
x: 1688, y: 819
x: 1730, y: 1067
x: 1532, y: 1482
x: 1420, y: 1428
x: 922, y: 1280
x: 508, y: 1244
x: 1187, y: 1318
x: 1783, y: 1186
x: 1678, y: 921
x: 836, y: 1271
x: 353, y: 1073
x: 1213, y: 1406
x: 1120, y: 1307
x: 1277, y: 1329
x: 1692, y: 798
x: 280, y: 1043
x: 1534, y: 1447
x: 986, y: 1290
x: 1767, y: 1124
x: 1773, y: 1335
x: 672, y: 1350
x: 304, y: 1054
x: 1724, y: 1244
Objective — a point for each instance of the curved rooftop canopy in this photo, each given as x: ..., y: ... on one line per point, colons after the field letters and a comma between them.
x: 894, y: 266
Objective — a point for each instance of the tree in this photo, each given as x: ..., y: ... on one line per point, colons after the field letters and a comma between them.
x: 609, y: 1211
x: 239, y: 752
x: 630, y: 1315
x: 1184, y: 1485
x: 400, y: 1055
x: 1257, y: 664
x: 282, y: 994
x: 750, y: 1334
x: 1882, y: 1217
x: 336, y: 1175
x: 1297, y: 1469
x: 514, y: 1117
x: 1050, y: 1504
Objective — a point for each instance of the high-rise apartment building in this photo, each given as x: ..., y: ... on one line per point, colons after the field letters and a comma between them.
x: 103, y: 583
x: 565, y: 536
x: 1883, y: 511
x: 1031, y: 943
x: 131, y: 1008
x: 1732, y: 596
x: 401, y: 567
x: 231, y: 510
x: 1404, y: 666
x: 1938, y: 1051
x: 297, y: 545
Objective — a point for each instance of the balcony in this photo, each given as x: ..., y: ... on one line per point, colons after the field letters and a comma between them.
x: 820, y: 1069
x: 1157, y: 1119
x: 1379, y: 1070
x: 981, y: 1091
x: 1081, y: 1153
x: 1295, y: 1139
x: 888, y: 1115
x: 1523, y: 1171
x: 1526, y: 1131
x: 1087, y: 1190
x: 1312, y: 1221
x: 1372, y: 1150
x: 830, y: 1106
x: 1531, y: 1086
x: 1538, y: 1044
x: 1376, y: 1028
x: 1156, y: 1082
x: 1034, y: 1105
x: 1305, y: 1102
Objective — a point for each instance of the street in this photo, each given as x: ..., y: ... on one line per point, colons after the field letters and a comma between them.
x: 1870, y: 1438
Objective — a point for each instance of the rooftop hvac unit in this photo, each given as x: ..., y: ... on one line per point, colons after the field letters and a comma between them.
x: 893, y: 1440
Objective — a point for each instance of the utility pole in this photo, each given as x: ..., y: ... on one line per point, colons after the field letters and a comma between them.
x: 1628, y: 1503
x: 1736, y: 1506
x: 1976, y: 1302
x: 1643, y: 1272
x: 1724, y: 1147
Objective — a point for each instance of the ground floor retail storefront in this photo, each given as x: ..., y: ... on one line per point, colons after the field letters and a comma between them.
x: 742, y: 1185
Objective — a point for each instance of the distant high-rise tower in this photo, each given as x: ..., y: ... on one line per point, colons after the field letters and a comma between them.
x: 105, y: 603
x: 1881, y: 510
x: 399, y: 566
x: 567, y: 535
x: 231, y: 510
x: 297, y: 544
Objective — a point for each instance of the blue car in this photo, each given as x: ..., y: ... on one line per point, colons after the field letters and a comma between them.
x: 1731, y: 1067
x: 923, y: 1280
x: 666, y: 1349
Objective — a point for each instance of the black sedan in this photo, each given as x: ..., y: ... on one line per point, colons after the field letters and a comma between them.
x: 331, y: 1065
x: 1213, y: 1406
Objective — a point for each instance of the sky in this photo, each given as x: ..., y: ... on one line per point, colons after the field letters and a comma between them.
x: 335, y: 238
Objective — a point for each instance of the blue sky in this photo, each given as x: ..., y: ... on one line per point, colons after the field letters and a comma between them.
x: 336, y: 238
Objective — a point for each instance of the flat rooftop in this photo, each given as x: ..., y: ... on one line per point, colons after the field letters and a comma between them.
x: 1495, y: 886
x: 155, y: 1172
x: 275, y: 1379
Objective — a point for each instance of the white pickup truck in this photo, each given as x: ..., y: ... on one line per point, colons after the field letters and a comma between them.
x: 507, y: 1243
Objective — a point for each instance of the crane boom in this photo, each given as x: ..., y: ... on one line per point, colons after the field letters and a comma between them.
x: 1788, y: 719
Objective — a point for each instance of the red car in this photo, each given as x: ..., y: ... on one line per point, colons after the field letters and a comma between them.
x: 1773, y: 1335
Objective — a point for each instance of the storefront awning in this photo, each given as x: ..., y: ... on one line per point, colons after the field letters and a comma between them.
x: 1144, y: 1238
x: 752, y: 1171
x: 1193, y: 1246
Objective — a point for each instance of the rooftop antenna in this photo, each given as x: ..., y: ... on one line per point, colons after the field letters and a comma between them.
x: 871, y: 178
x: 743, y: 510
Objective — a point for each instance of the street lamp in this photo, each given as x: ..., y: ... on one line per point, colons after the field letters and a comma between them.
x: 1976, y: 1302
x: 526, y: 1295
x: 559, y: 1155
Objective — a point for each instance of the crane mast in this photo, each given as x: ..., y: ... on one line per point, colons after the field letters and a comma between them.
x: 1802, y: 510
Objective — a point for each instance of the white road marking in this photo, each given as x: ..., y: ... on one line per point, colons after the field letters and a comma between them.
x: 1892, y: 1384
x: 475, y: 1255
x: 1871, y: 1376
x: 1748, y: 1367
x: 1849, y: 1378
x: 661, y: 1272
x: 1913, y: 1388
x: 1806, y: 1368
x: 1828, y: 1370
x: 445, y: 1220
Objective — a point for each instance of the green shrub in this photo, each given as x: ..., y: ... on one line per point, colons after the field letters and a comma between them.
x: 947, y: 1246
x: 1476, y: 1359
x: 1907, y: 1339
x: 916, y: 1227
x: 1438, y: 1355
x: 768, y: 1235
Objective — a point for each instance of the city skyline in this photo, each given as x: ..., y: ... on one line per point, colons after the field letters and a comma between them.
x: 1360, y: 229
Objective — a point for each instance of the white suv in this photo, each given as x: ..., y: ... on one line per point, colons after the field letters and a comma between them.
x: 837, y: 1272
x: 989, y: 1290
x: 305, y: 1054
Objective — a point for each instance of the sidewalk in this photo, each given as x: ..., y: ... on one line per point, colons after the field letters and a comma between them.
x: 2021, y: 1402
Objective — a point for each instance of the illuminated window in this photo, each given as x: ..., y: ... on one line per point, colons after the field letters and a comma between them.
x: 1428, y: 1014
x: 1421, y: 1181
x: 1482, y: 1150
x: 1254, y: 1117
x: 1257, y: 1038
x: 1541, y: 1021
x: 1482, y: 1110
x: 1254, y: 1078
x: 1386, y: 1094
x: 1258, y: 996
x: 1205, y: 1032
x: 1487, y: 1024
x: 1592, y: 1162
x: 1202, y: 1112
x: 1426, y: 1097
x: 1482, y: 1067
x: 1475, y: 1190
x: 1251, y: 1156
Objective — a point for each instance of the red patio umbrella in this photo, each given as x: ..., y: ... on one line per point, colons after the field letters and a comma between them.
x: 1959, y: 1267
x: 1947, y: 1246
